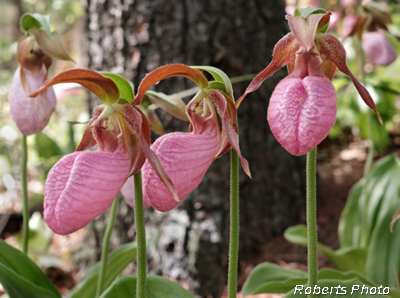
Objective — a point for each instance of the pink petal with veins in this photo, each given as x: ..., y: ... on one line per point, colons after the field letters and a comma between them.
x: 128, y: 192
x: 30, y: 114
x: 377, y: 49
x: 81, y: 186
x: 301, y: 112
x: 186, y: 158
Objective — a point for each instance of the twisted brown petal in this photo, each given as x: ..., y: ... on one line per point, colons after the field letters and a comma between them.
x: 332, y: 50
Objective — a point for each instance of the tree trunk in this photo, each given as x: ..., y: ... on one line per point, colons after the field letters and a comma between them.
x: 132, y: 38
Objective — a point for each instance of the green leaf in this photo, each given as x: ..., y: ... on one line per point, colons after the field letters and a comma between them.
x: 383, y: 251
x: 305, y: 12
x: 380, y: 134
x: 296, y: 234
x: 46, y: 147
x: 124, y: 87
x: 345, y: 259
x: 220, y: 76
x: 22, y: 278
x: 116, y: 263
x: 349, y: 229
x: 271, y: 278
x: 36, y: 21
x: 39, y: 234
x: 156, y: 287
x: 329, y: 285
x: 382, y: 193
x: 326, y: 273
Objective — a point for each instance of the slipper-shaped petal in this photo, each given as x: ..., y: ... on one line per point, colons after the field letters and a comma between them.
x: 301, y: 112
x: 81, y: 186
x: 186, y: 158
x: 30, y: 114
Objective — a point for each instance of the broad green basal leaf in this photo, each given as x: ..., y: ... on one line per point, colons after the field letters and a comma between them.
x: 156, y: 287
x: 345, y: 259
x: 271, y: 278
x: 22, y: 278
x: 117, y: 262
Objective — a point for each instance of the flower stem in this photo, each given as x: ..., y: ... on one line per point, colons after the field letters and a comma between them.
x: 140, y: 237
x: 234, y: 226
x: 368, y: 163
x: 25, y: 211
x: 106, y: 242
x: 312, y: 220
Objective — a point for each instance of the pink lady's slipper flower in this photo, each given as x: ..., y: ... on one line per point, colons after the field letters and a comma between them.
x: 377, y: 49
x: 187, y: 156
x: 35, y: 53
x: 303, y: 106
x: 83, y: 184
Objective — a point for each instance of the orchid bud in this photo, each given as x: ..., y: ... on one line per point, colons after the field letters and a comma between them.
x: 30, y: 114
x: 377, y: 49
x: 35, y: 52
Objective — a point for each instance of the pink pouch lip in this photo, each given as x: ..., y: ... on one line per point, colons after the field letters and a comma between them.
x: 81, y: 186
x: 302, y: 112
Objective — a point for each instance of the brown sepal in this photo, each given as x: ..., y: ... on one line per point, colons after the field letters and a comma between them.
x: 168, y: 71
x: 284, y: 52
x: 30, y: 57
x: 88, y: 140
x: 154, y: 121
x: 51, y: 46
x: 133, y: 123
x: 104, y: 88
x: 332, y: 50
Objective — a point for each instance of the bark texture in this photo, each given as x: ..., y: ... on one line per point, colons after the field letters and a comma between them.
x: 132, y: 38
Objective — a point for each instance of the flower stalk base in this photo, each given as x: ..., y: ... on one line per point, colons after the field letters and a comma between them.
x: 312, y: 220
x: 140, y: 237
x: 234, y: 226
